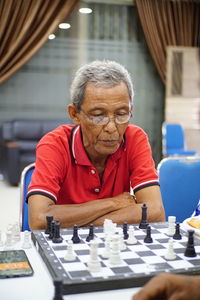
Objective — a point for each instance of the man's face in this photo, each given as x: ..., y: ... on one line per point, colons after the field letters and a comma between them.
x: 102, y: 140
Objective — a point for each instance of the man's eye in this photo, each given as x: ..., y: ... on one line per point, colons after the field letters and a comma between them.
x: 122, y: 114
x: 98, y: 115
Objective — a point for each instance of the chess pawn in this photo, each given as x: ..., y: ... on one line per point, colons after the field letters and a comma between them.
x: 132, y: 239
x: 16, y: 232
x: 70, y: 254
x: 170, y: 255
x: 94, y: 264
x: 8, y: 243
x: 26, y: 243
x: 148, y: 238
x: 1, y: 241
x: 125, y: 230
x: 177, y: 235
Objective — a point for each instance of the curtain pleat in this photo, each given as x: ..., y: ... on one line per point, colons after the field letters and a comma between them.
x: 24, y: 27
x: 169, y: 23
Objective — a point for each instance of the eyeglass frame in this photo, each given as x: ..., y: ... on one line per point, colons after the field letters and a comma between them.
x: 91, y: 118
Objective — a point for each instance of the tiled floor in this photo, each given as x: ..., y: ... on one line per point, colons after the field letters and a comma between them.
x: 10, y: 205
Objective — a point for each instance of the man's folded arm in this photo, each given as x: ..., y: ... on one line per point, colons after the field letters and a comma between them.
x: 69, y: 214
x: 132, y: 214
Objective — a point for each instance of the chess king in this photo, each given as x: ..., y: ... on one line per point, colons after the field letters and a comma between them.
x: 84, y: 172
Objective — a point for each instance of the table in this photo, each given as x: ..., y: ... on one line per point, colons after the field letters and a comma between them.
x: 40, y: 285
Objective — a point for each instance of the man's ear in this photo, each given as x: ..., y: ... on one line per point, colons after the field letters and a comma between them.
x: 72, y: 111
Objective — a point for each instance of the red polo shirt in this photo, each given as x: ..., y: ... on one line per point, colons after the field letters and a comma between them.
x: 65, y: 174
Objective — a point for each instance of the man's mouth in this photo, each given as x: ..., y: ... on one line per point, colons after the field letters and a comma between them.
x: 109, y: 142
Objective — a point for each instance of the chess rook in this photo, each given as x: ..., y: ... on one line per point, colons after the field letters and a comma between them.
x: 56, y: 236
x: 190, y: 250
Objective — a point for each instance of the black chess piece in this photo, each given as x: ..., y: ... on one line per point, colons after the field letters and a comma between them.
x: 75, y: 237
x: 56, y: 236
x: 125, y: 230
x: 190, y: 250
x: 91, y: 233
x: 143, y: 223
x: 58, y: 289
x: 177, y: 234
x: 51, y: 234
x: 49, y: 219
x: 148, y: 238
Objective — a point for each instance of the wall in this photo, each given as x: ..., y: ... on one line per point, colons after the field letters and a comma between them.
x: 40, y: 89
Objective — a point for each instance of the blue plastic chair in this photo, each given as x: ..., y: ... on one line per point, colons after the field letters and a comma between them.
x: 180, y: 185
x: 174, y: 140
x: 24, y: 183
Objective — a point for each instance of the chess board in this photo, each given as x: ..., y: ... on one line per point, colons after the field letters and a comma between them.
x: 140, y: 262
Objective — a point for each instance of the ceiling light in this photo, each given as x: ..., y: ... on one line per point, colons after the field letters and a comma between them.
x: 64, y: 25
x: 52, y: 36
x: 85, y: 10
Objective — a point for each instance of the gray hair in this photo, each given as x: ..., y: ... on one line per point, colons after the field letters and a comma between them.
x: 101, y: 73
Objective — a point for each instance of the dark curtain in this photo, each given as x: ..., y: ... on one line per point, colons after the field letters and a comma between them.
x: 169, y: 23
x: 24, y: 27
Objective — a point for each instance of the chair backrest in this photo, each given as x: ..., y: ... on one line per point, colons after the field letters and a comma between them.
x: 180, y: 185
x: 173, y: 140
x: 24, y: 183
x: 173, y: 137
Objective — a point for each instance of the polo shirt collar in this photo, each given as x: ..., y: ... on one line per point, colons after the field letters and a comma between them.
x: 79, y: 153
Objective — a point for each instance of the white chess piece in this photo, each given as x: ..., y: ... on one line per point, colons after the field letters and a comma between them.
x: 106, y: 251
x: 131, y: 239
x: 9, y: 242
x: 170, y: 254
x: 94, y: 264
x: 115, y: 258
x: 1, y: 240
x: 109, y: 227
x: 16, y: 232
x: 171, y: 225
x: 70, y: 254
x: 26, y: 242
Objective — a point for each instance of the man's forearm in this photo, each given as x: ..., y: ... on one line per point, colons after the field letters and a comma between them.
x: 132, y: 215
x: 80, y: 214
x: 70, y: 214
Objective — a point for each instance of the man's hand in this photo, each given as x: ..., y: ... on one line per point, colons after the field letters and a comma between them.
x: 170, y: 287
x: 123, y: 200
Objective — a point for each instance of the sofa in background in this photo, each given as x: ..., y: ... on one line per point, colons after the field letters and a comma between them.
x: 18, y: 139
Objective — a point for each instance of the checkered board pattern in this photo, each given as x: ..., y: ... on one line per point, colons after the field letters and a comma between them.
x: 140, y: 262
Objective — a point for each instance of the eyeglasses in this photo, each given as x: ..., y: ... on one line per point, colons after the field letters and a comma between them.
x: 103, y: 120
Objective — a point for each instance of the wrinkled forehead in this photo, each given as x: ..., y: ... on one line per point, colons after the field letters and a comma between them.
x: 116, y: 95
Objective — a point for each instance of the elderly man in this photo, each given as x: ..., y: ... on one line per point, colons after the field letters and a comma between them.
x: 84, y: 172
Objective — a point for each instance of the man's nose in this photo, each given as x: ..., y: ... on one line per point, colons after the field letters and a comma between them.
x: 111, y: 125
